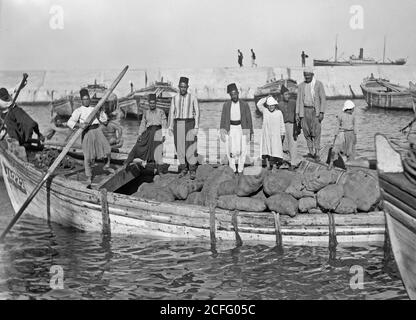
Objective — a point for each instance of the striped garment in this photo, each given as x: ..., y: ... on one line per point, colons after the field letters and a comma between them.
x: 184, y: 107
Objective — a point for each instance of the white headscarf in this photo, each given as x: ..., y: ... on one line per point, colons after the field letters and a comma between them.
x: 271, y: 101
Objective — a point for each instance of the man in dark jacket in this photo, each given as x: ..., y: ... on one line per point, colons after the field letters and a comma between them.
x: 19, y: 125
x: 288, y: 107
x: 236, y: 128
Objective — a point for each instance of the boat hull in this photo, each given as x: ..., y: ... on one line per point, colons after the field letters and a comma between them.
x: 70, y: 203
x: 402, y: 232
x: 395, y: 101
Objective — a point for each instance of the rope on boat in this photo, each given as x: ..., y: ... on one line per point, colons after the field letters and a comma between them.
x: 105, y: 213
x: 278, y: 228
x: 212, y: 228
x: 332, y: 231
x: 234, y: 221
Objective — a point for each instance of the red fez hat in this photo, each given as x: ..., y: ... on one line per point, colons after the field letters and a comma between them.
x: 231, y: 87
x: 84, y: 92
x: 184, y: 80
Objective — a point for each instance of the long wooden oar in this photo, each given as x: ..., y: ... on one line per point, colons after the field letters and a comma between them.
x: 12, y: 105
x: 62, y: 155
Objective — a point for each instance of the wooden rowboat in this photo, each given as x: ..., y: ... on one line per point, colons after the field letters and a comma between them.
x: 273, y: 88
x: 383, y: 94
x: 110, y: 206
x: 62, y: 108
x: 135, y: 103
x: 399, y: 199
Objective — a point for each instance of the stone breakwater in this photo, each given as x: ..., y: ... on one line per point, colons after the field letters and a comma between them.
x: 209, y: 83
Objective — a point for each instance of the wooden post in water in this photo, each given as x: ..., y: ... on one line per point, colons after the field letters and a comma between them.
x: 106, y: 229
x: 238, y: 240
x: 212, y: 225
x: 278, y: 228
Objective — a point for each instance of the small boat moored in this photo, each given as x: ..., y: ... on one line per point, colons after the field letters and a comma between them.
x: 381, y: 93
x: 62, y: 108
x: 273, y: 88
x: 136, y: 102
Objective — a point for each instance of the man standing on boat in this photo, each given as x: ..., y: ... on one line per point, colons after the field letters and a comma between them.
x: 310, y: 109
x: 149, y: 145
x: 253, y: 59
x: 19, y: 125
x: 236, y: 128
x: 184, y: 124
x: 94, y: 143
x: 240, y: 58
x: 304, y: 56
x: 288, y: 107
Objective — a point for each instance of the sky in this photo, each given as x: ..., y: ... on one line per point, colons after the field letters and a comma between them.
x: 198, y: 33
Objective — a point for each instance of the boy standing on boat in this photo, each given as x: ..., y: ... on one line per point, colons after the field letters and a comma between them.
x: 288, y: 108
x: 310, y: 109
x: 346, y: 131
x: 273, y: 132
x: 149, y: 145
x: 183, y: 124
x: 236, y: 128
x: 19, y: 125
x: 94, y: 144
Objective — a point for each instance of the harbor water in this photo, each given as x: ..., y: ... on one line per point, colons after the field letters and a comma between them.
x: 118, y: 267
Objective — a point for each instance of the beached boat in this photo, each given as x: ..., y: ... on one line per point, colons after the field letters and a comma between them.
x: 383, y: 94
x: 135, y: 103
x: 399, y: 200
x: 62, y: 108
x: 273, y: 88
x: 110, y: 205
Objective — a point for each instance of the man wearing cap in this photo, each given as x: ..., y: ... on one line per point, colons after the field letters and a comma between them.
x: 288, y: 108
x: 19, y: 125
x: 94, y: 143
x: 273, y: 132
x: 310, y: 109
x: 236, y: 128
x: 149, y: 145
x: 183, y: 124
x: 346, y: 131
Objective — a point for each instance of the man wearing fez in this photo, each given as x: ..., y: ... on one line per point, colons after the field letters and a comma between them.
x: 94, y: 143
x: 184, y: 124
x: 149, y: 145
x: 288, y: 107
x: 236, y: 128
x: 310, y: 109
x: 19, y: 125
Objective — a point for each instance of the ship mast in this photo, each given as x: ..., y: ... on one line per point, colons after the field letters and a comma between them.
x: 336, y: 47
x: 384, y: 49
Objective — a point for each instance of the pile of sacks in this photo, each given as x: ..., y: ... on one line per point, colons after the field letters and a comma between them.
x: 258, y: 190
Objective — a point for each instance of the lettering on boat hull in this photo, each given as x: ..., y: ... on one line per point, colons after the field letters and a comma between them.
x: 15, y: 179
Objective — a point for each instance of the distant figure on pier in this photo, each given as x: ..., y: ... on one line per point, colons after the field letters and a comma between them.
x: 310, y: 109
x: 253, y: 59
x: 304, y: 56
x: 240, y: 58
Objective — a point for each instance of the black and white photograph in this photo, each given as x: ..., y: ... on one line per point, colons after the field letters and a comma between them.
x: 208, y: 155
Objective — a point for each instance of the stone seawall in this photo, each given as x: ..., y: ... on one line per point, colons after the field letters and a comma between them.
x: 209, y: 84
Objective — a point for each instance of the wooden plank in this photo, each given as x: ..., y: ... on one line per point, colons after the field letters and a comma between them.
x: 120, y: 178
x: 400, y: 204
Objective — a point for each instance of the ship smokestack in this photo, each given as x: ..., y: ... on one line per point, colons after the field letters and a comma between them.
x: 361, y: 53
